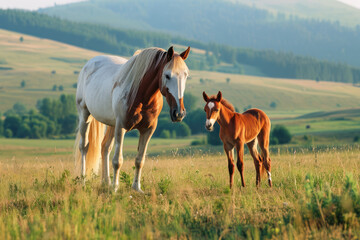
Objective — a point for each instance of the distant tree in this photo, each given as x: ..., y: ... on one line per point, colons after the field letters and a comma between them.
x: 196, y: 121
x: 356, y: 138
x: 190, y: 102
x: 202, y: 81
x: 22, y: 84
x: 273, y: 105
x: 12, y: 123
x: 21, y: 39
x: 1, y: 126
x: 228, y: 80
x: 54, y: 88
x: 68, y: 123
x: 213, y: 137
x: 8, y: 133
x: 281, y: 133
x: 61, y: 88
x: 74, y: 85
x: 165, y: 134
x: 53, y: 72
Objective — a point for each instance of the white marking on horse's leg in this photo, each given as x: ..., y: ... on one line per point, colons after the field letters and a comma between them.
x: 269, y: 175
x: 118, y: 155
x: 140, y: 158
x: 83, y: 125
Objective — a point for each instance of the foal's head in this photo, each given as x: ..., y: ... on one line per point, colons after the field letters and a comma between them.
x: 173, y: 81
x: 212, y: 109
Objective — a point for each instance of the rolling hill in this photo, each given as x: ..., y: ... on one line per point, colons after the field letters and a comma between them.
x: 33, y: 60
x: 329, y: 10
x: 232, y: 23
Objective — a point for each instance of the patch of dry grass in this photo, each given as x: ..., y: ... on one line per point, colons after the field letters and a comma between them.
x: 185, y: 197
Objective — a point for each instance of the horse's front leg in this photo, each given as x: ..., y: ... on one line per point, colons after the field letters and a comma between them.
x: 240, y: 160
x: 118, y: 154
x: 231, y: 166
x: 144, y: 139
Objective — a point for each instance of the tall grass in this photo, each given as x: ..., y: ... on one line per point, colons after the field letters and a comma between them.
x: 313, y: 196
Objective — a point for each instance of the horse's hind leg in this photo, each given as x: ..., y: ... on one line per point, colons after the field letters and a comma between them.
x: 263, y: 139
x: 118, y: 155
x: 106, y: 146
x: 231, y: 166
x: 83, y: 125
x: 257, y: 159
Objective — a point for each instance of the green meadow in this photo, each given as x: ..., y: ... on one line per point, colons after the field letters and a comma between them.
x: 316, y: 176
x: 315, y: 194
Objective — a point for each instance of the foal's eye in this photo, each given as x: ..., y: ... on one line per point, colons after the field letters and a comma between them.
x: 167, y: 76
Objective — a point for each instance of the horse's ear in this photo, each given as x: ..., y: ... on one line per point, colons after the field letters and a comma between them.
x: 219, y: 96
x: 206, y: 98
x: 185, y: 54
x: 170, y: 53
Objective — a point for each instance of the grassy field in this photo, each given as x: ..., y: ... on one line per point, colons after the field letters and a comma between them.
x: 315, y: 195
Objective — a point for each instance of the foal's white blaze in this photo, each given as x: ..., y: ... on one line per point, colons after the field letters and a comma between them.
x: 211, y: 105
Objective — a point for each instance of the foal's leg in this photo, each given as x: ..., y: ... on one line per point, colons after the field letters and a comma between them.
x: 257, y: 159
x: 144, y: 139
x: 106, y: 146
x: 240, y: 160
x: 118, y: 155
x: 230, y: 155
x: 263, y: 138
x: 83, y: 125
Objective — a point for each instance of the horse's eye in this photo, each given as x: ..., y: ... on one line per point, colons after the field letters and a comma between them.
x: 167, y: 76
x: 216, y: 110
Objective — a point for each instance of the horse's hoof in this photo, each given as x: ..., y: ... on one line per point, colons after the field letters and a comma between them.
x: 137, y: 188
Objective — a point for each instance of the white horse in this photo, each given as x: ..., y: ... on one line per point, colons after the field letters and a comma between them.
x: 124, y: 95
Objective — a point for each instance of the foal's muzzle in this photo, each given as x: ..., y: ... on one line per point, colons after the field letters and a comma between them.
x: 209, y: 127
x: 176, y: 115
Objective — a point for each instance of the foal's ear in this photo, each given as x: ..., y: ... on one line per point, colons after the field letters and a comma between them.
x: 219, y: 96
x: 170, y: 53
x: 185, y: 54
x: 206, y: 98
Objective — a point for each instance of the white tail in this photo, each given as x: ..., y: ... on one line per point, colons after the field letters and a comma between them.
x: 94, y: 136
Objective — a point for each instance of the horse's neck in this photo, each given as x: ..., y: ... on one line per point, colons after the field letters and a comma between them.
x: 225, y: 116
x: 149, y: 90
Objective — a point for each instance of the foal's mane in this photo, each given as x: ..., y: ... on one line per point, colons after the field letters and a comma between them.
x: 224, y: 102
x: 136, y: 67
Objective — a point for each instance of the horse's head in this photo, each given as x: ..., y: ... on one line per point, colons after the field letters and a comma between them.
x: 212, y: 109
x: 173, y: 82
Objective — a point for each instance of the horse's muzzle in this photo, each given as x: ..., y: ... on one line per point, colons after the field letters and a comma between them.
x: 177, y: 116
x: 209, y: 127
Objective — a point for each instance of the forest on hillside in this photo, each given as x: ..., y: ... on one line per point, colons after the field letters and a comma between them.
x: 225, y: 22
x: 125, y: 42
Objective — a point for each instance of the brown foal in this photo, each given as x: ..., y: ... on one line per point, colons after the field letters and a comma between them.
x: 251, y: 127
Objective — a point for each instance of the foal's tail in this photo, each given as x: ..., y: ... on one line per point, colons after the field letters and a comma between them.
x: 93, y: 137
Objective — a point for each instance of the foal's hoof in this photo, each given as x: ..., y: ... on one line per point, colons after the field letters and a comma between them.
x: 137, y: 188
x: 270, y: 183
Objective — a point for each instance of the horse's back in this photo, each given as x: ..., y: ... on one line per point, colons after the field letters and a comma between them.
x: 95, y: 84
x: 257, y: 114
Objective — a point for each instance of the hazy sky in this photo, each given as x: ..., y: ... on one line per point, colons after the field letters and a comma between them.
x: 35, y: 4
